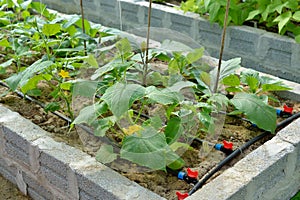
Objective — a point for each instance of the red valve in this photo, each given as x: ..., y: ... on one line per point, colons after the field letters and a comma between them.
x: 227, y: 145
x: 192, y: 174
x: 181, y: 196
x: 288, y: 109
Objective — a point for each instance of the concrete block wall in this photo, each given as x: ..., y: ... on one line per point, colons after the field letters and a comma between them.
x: 45, y: 169
x: 260, y: 50
x: 270, y: 172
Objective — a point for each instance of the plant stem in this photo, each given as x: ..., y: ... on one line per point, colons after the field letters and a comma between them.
x: 83, y: 28
x: 222, y: 47
x: 145, y: 71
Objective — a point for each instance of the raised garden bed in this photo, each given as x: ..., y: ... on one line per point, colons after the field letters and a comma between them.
x: 46, y: 169
x: 54, y: 180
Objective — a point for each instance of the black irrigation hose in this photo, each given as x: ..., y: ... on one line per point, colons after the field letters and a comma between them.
x: 58, y: 114
x: 239, y: 151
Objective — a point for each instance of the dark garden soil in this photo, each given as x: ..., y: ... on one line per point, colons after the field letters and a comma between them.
x: 160, y: 182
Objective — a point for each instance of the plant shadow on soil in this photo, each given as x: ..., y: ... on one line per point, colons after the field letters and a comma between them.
x: 159, y: 182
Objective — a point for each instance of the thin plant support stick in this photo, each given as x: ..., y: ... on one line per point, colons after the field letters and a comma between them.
x: 83, y: 28
x: 145, y: 70
x: 222, y: 47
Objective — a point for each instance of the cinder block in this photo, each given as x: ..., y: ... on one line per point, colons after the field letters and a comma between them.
x: 17, y: 154
x: 243, y: 42
x: 275, y: 49
x: 8, y: 172
x: 35, y: 189
x: 181, y: 24
x: 58, y: 181
x: 98, y: 181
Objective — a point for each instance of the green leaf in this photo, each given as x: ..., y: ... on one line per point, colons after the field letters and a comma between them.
x: 275, y: 87
x: 283, y: 19
x: 164, y: 96
x: 102, y: 125
x: 173, y: 130
x: 231, y: 80
x: 90, y: 113
x: 50, y: 29
x: 7, y: 63
x: 22, y: 77
x: 91, y: 60
x: 72, y: 19
x: 66, y: 85
x: 227, y: 68
x: 106, y: 154
x: 259, y: 113
x: 40, y: 8
x: 296, y: 16
x: 4, y: 43
x: 53, y: 106
x: 180, y: 85
x: 297, y: 38
x: 148, y: 148
x: 32, y: 82
x: 253, y: 83
x: 120, y: 97
x: 195, y: 55
x: 84, y: 88
x: 177, y: 164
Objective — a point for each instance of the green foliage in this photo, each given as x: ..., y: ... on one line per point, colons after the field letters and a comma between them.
x: 283, y: 15
x: 258, y: 112
x: 127, y: 87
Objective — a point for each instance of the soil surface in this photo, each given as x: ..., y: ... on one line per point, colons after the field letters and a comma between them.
x: 9, y: 191
x: 162, y: 183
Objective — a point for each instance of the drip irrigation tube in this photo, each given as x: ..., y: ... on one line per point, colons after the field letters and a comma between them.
x: 239, y: 151
x: 58, y: 114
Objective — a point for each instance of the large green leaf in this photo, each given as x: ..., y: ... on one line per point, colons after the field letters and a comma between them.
x: 173, y: 130
x: 106, y: 154
x: 227, y: 68
x: 180, y: 85
x: 164, y: 96
x: 259, y: 113
x: 195, y: 55
x: 84, y: 88
x: 120, y: 97
x: 282, y: 20
x: 148, y: 148
x: 90, y: 113
x: 50, y: 29
x: 22, y: 77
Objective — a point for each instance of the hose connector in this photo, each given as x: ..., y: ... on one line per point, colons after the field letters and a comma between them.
x: 181, y: 196
x: 191, y: 176
x: 226, y: 147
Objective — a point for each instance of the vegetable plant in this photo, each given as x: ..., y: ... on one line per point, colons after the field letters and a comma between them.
x: 149, y: 116
x: 282, y: 16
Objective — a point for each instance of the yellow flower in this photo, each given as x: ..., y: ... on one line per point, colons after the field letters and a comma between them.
x: 132, y: 129
x: 64, y: 74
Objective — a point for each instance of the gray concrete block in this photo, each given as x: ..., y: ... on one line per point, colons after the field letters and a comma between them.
x: 54, y: 179
x: 243, y: 43
x: 275, y: 49
x: 17, y: 154
x: 8, y: 172
x: 97, y: 180
x: 16, y: 140
x: 180, y: 24
x: 35, y: 189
